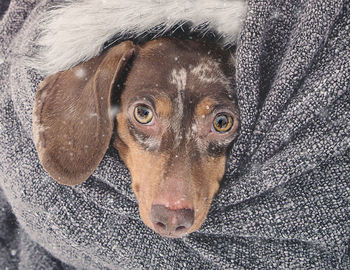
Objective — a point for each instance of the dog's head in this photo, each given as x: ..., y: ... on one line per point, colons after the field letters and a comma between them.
x: 176, y: 120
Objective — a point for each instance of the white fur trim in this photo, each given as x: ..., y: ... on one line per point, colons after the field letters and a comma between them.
x: 77, y: 30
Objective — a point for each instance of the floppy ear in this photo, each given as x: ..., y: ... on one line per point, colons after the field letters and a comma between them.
x: 73, y: 120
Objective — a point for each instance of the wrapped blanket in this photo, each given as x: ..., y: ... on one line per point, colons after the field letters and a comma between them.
x: 284, y: 202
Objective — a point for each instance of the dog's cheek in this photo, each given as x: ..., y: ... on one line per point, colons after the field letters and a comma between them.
x: 146, y: 171
x: 122, y: 148
x: 122, y: 138
x: 207, y: 177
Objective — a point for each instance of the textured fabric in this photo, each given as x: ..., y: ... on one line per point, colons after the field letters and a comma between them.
x: 284, y: 202
x: 3, y: 7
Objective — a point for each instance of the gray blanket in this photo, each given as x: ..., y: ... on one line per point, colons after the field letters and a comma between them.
x: 284, y: 202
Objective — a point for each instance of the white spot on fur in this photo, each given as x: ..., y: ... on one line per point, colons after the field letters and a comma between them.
x: 151, y: 143
x: 93, y: 115
x: 80, y: 73
x: 204, y: 72
x: 209, y: 71
x: 192, y: 132
x: 179, y: 78
x: 194, y: 128
x: 114, y: 110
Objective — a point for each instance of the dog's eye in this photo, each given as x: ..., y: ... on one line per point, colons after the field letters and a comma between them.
x: 222, y: 123
x: 143, y: 114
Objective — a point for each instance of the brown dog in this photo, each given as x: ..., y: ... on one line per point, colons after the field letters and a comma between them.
x: 176, y: 121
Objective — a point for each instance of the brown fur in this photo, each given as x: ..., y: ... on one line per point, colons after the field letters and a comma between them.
x: 169, y: 160
x: 72, y: 116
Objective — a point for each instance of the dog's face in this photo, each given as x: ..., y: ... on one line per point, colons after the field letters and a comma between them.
x: 176, y: 120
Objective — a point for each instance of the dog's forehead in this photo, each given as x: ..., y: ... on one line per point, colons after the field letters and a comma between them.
x: 177, y: 65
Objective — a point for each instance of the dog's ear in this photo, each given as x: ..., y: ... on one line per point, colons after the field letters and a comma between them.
x: 73, y: 118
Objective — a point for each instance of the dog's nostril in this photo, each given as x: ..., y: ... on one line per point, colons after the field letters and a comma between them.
x: 161, y: 225
x: 171, y: 223
x: 180, y: 228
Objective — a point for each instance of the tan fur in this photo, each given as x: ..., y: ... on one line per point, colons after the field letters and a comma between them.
x: 164, y: 106
x: 205, y: 107
x: 207, y: 177
x: 145, y: 168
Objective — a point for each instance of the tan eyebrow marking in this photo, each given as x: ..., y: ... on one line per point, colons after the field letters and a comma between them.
x: 164, y: 106
x: 205, y: 107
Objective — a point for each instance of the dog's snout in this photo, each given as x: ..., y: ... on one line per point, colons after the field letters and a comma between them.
x: 171, y: 223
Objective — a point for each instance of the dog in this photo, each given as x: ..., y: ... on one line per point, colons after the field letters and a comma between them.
x: 176, y: 119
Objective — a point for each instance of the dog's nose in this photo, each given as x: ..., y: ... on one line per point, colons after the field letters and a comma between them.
x: 171, y: 223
